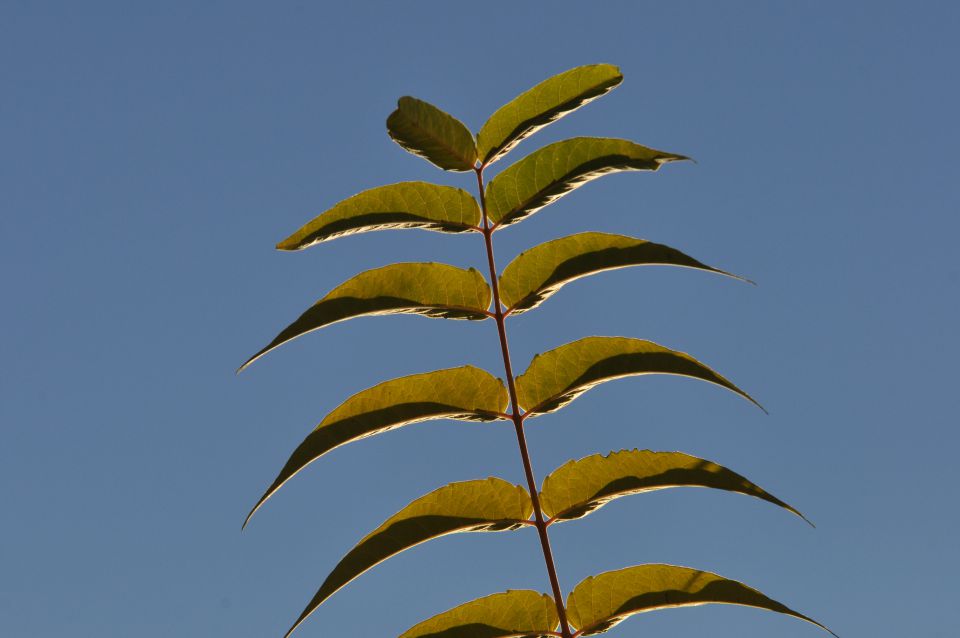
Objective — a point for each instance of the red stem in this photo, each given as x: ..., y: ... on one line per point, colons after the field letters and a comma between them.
x: 498, y: 315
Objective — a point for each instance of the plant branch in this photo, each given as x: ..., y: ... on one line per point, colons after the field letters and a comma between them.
x: 518, y: 419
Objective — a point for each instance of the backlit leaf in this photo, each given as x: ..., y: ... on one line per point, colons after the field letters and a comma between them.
x: 403, y: 205
x: 546, y: 102
x: 429, y: 289
x: 434, y: 135
x: 559, y: 376
x: 488, y: 505
x: 511, y: 614
x: 553, y: 171
x: 465, y: 393
x: 536, y: 274
x: 577, y: 488
x: 600, y: 602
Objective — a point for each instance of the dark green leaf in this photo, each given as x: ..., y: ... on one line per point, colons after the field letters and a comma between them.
x: 403, y: 205
x: 437, y: 137
x: 430, y: 289
x: 546, y: 102
x: 600, y: 602
x: 553, y: 171
x: 465, y: 393
x: 538, y: 273
x: 579, y: 487
x: 511, y: 614
x: 559, y: 376
x: 488, y: 505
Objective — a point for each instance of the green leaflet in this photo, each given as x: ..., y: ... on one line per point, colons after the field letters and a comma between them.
x: 511, y: 614
x: 488, y: 505
x: 546, y: 102
x: 577, y: 488
x: 557, y: 377
x: 553, y: 171
x: 465, y: 393
x: 403, y: 205
x: 434, y: 135
x: 430, y: 289
x: 600, y: 602
x: 538, y: 273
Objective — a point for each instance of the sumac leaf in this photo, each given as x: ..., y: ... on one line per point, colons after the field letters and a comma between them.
x: 488, y: 505
x: 538, y: 273
x: 577, y: 488
x: 600, y: 602
x: 429, y: 289
x: 557, y: 377
x: 511, y: 614
x: 404, y: 205
x: 548, y: 101
x: 434, y: 135
x: 554, y: 170
x: 465, y: 394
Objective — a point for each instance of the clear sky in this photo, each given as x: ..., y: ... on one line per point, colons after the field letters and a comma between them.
x: 152, y: 154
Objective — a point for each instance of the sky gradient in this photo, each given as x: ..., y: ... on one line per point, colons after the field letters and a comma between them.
x: 152, y: 155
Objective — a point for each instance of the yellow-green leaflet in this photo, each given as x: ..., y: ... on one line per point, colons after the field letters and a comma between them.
x: 577, y: 488
x: 538, y: 273
x: 434, y: 135
x: 600, y: 602
x: 429, y: 289
x: 553, y: 171
x: 511, y: 614
x: 465, y: 393
x: 488, y: 505
x: 404, y: 205
x: 548, y: 101
x: 557, y: 377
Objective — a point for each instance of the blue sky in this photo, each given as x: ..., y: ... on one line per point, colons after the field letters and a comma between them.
x: 151, y: 156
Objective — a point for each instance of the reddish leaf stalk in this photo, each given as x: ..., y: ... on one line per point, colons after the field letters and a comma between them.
x: 517, y: 418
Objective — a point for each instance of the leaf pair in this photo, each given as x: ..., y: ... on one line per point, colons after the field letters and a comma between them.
x: 552, y: 380
x: 595, y: 605
x: 521, y: 190
x: 439, y: 290
x: 572, y: 491
x: 443, y: 140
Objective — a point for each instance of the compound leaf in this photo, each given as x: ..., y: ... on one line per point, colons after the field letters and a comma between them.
x: 546, y: 102
x: 538, y: 273
x: 487, y: 505
x: 511, y: 614
x: 600, y: 602
x: 404, y: 205
x: 557, y: 377
x: 430, y: 289
x: 553, y: 171
x: 465, y: 393
x: 577, y: 488
x: 434, y: 135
